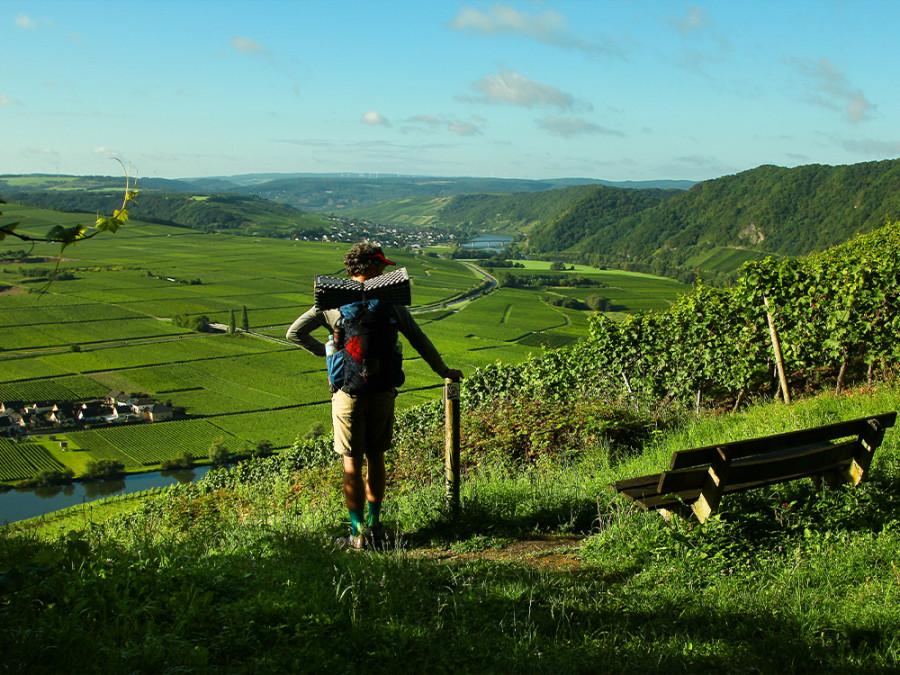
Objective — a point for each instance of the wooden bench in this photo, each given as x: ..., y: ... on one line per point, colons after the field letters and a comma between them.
x: 697, y: 478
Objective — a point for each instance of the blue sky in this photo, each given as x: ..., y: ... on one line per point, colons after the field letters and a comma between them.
x: 617, y: 90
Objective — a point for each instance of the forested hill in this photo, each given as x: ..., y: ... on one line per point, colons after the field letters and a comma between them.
x: 767, y: 210
x: 241, y: 214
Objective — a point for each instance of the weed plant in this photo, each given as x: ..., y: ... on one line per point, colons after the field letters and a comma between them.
x: 237, y: 573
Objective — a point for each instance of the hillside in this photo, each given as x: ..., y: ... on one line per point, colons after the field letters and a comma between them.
x: 768, y: 210
x: 328, y: 193
x: 164, y: 202
x: 715, y: 226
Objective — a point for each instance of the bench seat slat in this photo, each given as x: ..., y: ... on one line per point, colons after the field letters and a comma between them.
x: 692, y: 478
x: 803, y: 463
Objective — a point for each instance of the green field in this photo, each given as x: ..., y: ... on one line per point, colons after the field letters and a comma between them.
x: 109, y: 328
x: 21, y: 460
x: 724, y: 259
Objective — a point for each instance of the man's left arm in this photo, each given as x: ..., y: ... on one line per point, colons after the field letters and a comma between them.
x: 420, y: 342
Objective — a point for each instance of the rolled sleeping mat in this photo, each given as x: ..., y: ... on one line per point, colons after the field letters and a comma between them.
x: 334, y: 292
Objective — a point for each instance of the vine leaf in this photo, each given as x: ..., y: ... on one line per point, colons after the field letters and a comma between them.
x: 7, y: 229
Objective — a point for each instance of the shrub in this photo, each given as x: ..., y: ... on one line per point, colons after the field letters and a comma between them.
x: 104, y: 469
x: 183, y: 461
x: 218, y: 453
x: 48, y: 477
x: 264, y: 448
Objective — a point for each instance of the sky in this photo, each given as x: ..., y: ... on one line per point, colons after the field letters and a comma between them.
x: 609, y: 89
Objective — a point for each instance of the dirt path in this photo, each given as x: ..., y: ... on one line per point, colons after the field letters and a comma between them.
x: 555, y: 552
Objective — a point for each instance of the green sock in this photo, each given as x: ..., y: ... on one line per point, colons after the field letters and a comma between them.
x: 374, y: 513
x: 356, y: 521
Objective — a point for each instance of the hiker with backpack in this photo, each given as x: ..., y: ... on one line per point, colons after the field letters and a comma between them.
x: 364, y: 316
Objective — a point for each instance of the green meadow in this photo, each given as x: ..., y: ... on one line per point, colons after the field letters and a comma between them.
x: 104, y: 323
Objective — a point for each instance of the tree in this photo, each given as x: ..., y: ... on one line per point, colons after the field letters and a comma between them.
x: 599, y: 303
x: 184, y: 460
x: 197, y: 323
x: 317, y: 430
x: 557, y: 266
x: 245, y: 321
x: 104, y: 469
x: 231, y: 323
x: 218, y: 453
x: 263, y: 449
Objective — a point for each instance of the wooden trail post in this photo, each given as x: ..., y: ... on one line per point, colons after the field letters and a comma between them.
x: 451, y: 440
x: 776, y: 346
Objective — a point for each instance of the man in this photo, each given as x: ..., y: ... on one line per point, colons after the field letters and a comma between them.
x: 364, y: 423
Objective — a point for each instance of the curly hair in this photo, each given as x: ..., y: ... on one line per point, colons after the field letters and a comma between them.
x: 359, y: 257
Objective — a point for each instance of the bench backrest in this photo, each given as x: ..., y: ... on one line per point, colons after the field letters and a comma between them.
x: 739, y: 449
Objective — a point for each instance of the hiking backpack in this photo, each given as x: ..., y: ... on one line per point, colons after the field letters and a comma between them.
x: 364, y: 354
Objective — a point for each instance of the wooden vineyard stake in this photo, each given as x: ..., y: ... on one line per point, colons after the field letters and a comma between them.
x: 776, y: 346
x: 451, y: 440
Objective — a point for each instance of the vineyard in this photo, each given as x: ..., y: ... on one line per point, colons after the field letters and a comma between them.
x: 148, y: 444
x: 833, y: 314
x: 68, y: 389
x: 23, y: 460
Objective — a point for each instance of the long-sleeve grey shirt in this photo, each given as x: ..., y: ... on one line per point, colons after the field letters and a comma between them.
x: 299, y: 333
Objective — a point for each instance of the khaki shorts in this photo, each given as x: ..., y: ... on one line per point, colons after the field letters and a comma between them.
x: 363, y: 423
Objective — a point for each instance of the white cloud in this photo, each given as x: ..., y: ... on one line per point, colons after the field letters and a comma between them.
x: 25, y: 21
x: 831, y: 88
x: 703, y: 44
x: 871, y: 147
x: 567, y: 127
x: 105, y: 152
x: 247, y: 46
x: 432, y: 124
x: 511, y: 87
x: 461, y: 128
x: 699, y: 161
x: 695, y: 18
x: 549, y: 28
x: 374, y: 118
x: 428, y: 120
x: 4, y: 99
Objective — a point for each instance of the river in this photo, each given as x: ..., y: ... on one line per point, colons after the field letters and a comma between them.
x: 29, y: 503
x: 488, y: 242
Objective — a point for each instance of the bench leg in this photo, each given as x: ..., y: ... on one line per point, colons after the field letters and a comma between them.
x: 681, y: 510
x: 711, y: 495
x: 868, y: 444
x: 832, y: 480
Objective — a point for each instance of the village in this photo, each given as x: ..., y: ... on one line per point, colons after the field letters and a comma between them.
x: 20, y: 417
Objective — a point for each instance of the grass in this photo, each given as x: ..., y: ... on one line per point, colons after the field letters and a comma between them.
x: 237, y: 572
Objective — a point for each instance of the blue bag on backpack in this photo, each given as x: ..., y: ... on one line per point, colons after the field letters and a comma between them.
x: 365, y: 355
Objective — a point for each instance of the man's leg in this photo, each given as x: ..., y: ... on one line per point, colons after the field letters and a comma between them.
x: 349, y: 435
x: 354, y: 492
x: 380, y: 426
x: 375, y: 485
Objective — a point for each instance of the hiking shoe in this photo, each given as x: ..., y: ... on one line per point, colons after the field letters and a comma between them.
x: 377, y: 538
x: 351, y: 542
x: 380, y: 539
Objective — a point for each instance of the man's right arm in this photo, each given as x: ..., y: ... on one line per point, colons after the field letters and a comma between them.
x: 299, y: 332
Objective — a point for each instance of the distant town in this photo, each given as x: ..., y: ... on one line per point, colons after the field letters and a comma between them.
x: 408, y: 237
x: 20, y: 417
